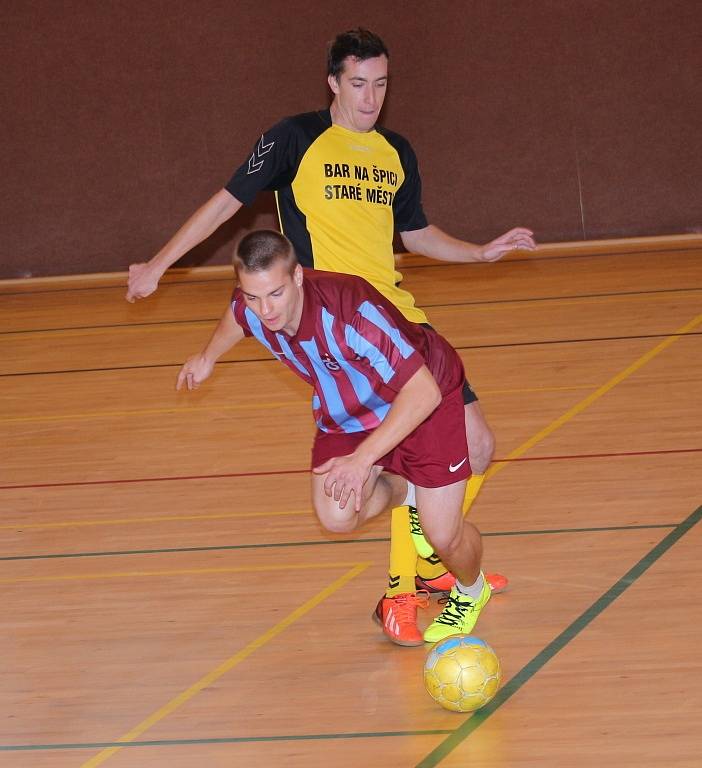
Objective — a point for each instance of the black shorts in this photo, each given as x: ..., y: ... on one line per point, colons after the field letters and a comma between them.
x: 468, y: 395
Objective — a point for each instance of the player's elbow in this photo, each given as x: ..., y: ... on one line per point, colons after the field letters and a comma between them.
x: 423, y: 393
x: 224, y: 205
x: 412, y: 240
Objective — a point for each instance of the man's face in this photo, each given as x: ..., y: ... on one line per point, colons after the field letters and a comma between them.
x: 359, y: 92
x: 274, y: 296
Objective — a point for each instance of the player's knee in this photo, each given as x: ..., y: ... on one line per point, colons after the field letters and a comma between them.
x: 336, y: 520
x: 340, y: 525
x: 445, y: 539
x: 464, y: 542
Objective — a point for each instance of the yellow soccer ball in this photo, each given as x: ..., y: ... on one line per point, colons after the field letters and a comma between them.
x: 462, y: 673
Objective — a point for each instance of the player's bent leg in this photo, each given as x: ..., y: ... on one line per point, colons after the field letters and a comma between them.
x: 330, y: 515
x: 337, y: 520
x: 397, y: 615
x: 456, y: 541
x: 380, y: 492
x: 459, y: 545
x: 432, y: 574
x: 481, y: 449
x: 481, y: 445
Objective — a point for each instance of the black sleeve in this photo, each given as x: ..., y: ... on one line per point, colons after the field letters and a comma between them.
x: 270, y: 166
x: 407, y: 205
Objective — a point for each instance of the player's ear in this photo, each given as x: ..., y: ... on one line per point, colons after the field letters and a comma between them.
x: 333, y: 83
x: 298, y: 275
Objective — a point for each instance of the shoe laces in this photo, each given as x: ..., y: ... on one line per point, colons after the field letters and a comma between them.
x: 454, y: 611
x: 415, y: 527
x: 406, y: 605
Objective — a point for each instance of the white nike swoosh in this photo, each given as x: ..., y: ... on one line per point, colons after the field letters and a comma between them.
x: 453, y: 468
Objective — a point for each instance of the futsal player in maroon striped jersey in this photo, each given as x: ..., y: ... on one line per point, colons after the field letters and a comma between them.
x: 387, y: 404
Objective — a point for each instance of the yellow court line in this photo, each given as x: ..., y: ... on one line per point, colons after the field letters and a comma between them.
x: 227, y: 665
x: 596, y: 395
x: 177, y: 572
x: 159, y: 519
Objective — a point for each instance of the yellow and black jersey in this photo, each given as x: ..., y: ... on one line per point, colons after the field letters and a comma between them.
x: 341, y: 195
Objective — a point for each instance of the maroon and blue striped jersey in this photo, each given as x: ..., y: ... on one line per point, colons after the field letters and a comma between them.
x: 355, y: 348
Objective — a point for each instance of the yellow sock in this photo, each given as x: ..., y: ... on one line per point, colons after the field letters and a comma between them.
x: 403, y: 555
x: 432, y: 567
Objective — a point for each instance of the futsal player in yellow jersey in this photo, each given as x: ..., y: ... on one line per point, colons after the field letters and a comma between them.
x: 344, y: 185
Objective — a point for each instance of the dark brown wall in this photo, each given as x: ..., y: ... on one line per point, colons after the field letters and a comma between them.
x: 579, y: 119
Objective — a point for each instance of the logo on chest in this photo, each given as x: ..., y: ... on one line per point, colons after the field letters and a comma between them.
x: 329, y: 362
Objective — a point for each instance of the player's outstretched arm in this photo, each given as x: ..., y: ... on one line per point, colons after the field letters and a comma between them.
x: 417, y: 399
x: 199, y: 367
x: 143, y: 278
x: 437, y: 244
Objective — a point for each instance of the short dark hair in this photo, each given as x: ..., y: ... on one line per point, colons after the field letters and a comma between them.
x: 257, y: 251
x: 359, y: 43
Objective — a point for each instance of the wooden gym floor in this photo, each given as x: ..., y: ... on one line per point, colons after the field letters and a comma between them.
x: 169, y: 600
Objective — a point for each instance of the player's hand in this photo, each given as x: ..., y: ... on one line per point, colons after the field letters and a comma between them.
x: 194, y: 371
x: 142, y: 282
x: 518, y: 238
x: 344, y: 475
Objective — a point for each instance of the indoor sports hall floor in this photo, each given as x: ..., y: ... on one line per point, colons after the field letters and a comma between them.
x: 169, y: 600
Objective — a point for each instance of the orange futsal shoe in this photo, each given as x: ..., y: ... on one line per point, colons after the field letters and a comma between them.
x: 498, y: 583
x: 398, y: 617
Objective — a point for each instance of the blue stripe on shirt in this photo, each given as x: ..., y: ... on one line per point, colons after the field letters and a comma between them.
x: 290, y: 355
x: 371, y: 312
x: 335, y: 404
x: 362, y: 347
x: 256, y: 327
x: 361, y: 386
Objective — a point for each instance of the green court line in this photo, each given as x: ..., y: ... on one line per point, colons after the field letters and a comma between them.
x: 229, y: 547
x: 457, y: 736
x: 322, y: 542
x: 569, y: 633
x: 232, y: 740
